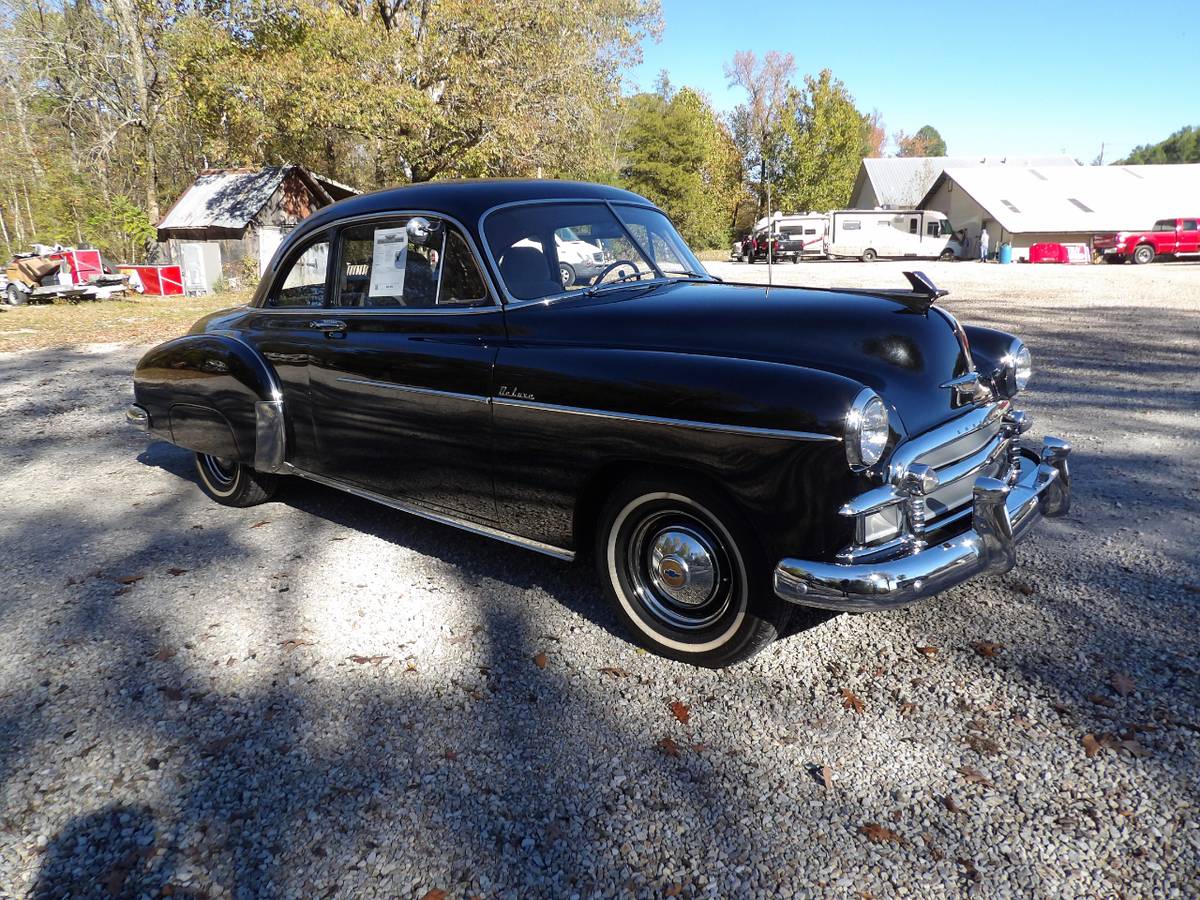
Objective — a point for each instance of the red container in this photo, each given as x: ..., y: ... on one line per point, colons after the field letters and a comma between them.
x: 1049, y: 253
x: 82, y: 264
x: 165, y: 281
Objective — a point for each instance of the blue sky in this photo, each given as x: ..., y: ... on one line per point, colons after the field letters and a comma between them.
x: 1019, y: 78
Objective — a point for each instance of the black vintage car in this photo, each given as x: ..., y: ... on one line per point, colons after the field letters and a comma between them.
x: 726, y: 452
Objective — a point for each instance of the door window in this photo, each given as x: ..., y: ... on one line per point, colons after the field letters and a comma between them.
x: 304, y: 285
x: 912, y: 226
x: 1189, y: 225
x: 411, y: 263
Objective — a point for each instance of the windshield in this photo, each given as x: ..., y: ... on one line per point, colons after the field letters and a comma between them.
x: 639, y: 245
x: 946, y: 229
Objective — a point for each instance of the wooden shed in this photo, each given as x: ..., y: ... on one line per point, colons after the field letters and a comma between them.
x: 229, y: 222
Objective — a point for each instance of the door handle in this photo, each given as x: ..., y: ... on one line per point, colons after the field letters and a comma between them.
x: 327, y: 325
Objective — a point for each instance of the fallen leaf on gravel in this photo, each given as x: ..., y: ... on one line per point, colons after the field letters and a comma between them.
x: 673, y: 891
x: 851, y: 701
x: 1101, y: 701
x: 970, y: 871
x: 451, y: 755
x: 927, y: 651
x: 90, y: 747
x: 1025, y: 588
x: 164, y: 654
x: 176, y: 571
x: 614, y: 671
x: 1061, y: 708
x: 466, y: 635
x: 982, y: 745
x: 1093, y: 744
x: 907, y: 709
x: 212, y: 748
x: 1123, y: 684
x: 878, y: 834
x: 1133, y: 748
x: 699, y: 748
x: 668, y: 747
x: 950, y: 804
x: 974, y: 776
x: 172, y: 694
x: 374, y: 660
x: 261, y: 524
x: 540, y: 660
x: 130, y: 579
x: 827, y: 777
x: 435, y: 894
x: 933, y: 849
x: 1021, y: 720
x: 986, y: 648
x: 292, y: 643
x: 680, y: 711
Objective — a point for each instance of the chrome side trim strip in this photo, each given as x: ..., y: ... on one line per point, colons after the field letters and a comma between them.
x: 442, y: 518
x: 661, y: 420
x: 413, y: 389
x: 270, y: 436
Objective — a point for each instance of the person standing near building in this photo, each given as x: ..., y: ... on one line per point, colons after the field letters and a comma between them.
x: 983, y: 243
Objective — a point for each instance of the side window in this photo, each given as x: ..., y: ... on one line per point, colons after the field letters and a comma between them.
x: 933, y: 229
x: 418, y: 263
x: 912, y: 226
x: 462, y: 283
x: 1189, y: 225
x: 852, y: 226
x: 304, y: 285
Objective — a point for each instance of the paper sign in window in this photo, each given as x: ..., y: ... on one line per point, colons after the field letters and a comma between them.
x: 388, y: 261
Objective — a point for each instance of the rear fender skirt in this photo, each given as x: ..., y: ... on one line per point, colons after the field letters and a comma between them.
x: 213, y: 393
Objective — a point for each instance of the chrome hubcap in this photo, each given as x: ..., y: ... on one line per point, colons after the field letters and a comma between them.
x: 679, y: 571
x: 682, y: 566
x: 220, y: 470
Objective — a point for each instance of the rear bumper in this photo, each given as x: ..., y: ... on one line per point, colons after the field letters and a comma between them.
x: 1002, y: 514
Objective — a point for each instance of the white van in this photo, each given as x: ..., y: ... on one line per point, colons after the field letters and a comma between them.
x: 869, y: 234
x: 808, y: 229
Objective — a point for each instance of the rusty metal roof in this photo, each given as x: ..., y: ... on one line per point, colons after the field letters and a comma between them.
x: 231, y: 198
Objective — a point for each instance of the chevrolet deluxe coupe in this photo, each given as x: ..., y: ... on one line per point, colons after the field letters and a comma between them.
x: 727, y: 453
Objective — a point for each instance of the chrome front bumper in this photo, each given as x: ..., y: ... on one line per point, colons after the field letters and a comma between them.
x: 1001, y: 515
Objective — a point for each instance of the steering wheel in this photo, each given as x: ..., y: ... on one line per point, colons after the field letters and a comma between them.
x: 620, y: 262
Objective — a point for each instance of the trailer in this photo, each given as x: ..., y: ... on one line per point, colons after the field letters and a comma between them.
x: 60, y: 274
x: 869, y: 234
x: 806, y: 230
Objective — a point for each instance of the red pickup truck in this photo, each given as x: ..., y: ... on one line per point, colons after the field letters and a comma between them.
x: 1168, y: 237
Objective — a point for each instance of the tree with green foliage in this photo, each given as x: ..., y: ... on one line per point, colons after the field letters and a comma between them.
x: 926, y: 142
x: 1181, y: 147
x: 675, y: 151
x: 824, y: 138
x: 756, y: 123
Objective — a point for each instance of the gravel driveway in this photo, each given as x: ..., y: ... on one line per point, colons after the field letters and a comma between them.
x: 320, y: 697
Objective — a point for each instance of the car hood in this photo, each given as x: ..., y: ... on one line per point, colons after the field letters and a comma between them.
x: 906, y: 356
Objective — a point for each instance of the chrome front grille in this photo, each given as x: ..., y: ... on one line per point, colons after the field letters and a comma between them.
x: 975, y: 444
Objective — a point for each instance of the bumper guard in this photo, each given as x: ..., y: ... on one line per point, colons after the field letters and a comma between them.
x: 1001, y: 515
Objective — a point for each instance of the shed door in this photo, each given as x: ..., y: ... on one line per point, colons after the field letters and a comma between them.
x: 192, y: 256
x: 268, y: 242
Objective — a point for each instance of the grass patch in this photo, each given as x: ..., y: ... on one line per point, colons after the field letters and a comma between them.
x: 138, y: 320
x: 713, y: 255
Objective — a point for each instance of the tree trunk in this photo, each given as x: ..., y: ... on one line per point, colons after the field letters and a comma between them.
x: 130, y: 26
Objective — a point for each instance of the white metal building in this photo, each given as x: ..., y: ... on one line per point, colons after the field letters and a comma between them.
x: 1061, y: 204
x: 899, y: 182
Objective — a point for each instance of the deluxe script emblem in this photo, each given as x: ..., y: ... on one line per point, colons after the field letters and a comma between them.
x: 506, y: 391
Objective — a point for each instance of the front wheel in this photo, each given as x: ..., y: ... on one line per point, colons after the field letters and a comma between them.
x: 14, y: 296
x: 232, y: 483
x: 869, y: 255
x: 683, y: 574
x: 566, y: 274
x: 946, y: 255
x: 1143, y: 254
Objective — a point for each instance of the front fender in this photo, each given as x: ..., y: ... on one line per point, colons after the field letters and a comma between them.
x: 213, y: 393
x: 988, y: 348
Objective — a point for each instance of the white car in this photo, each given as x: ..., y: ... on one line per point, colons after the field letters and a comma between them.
x: 578, y: 260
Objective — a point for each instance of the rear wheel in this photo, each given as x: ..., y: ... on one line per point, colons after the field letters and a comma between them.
x: 232, y: 483
x: 946, y: 255
x: 1143, y: 254
x: 14, y: 296
x: 869, y: 255
x: 566, y: 274
x: 682, y: 572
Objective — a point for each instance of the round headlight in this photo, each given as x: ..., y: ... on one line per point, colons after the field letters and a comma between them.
x: 866, y: 430
x: 1022, y: 365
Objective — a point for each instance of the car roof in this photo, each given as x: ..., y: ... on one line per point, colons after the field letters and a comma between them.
x: 465, y: 200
